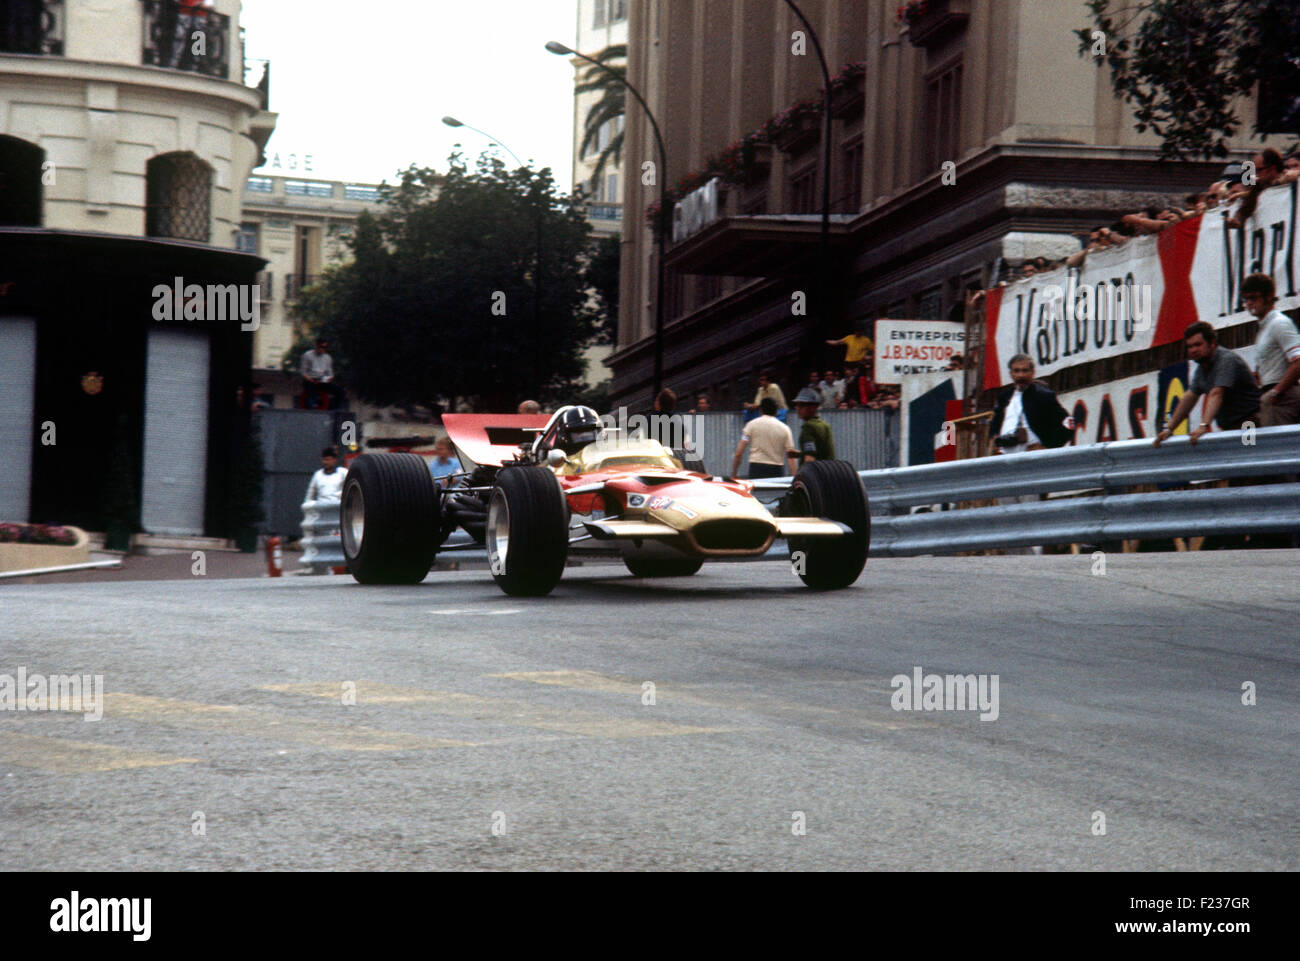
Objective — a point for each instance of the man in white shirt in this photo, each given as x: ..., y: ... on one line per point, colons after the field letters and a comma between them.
x: 773, y: 445
x: 1277, y: 354
x: 327, y: 483
x: 317, y: 370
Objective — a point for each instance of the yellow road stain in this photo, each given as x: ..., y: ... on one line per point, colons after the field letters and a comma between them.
x: 501, y: 710
x: 265, y: 725
x: 64, y: 756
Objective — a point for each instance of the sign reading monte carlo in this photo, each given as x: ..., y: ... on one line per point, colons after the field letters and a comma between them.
x: 1144, y: 293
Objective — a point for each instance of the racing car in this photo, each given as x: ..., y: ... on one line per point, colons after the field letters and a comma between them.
x: 534, y: 490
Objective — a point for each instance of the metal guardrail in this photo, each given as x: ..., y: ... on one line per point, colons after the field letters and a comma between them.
x: 1263, y: 508
x: 322, y: 544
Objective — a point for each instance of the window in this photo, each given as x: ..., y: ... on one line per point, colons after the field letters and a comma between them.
x: 246, y: 239
x: 259, y: 185
x: 358, y: 192
x: 611, y: 189
x: 617, y: 11
x: 930, y: 304
x: 851, y: 202
x: 803, y: 191
x: 598, y: 18
x: 178, y: 197
x: 31, y: 26
x: 308, y: 188
x: 21, y: 166
x: 170, y: 29
x: 942, y: 118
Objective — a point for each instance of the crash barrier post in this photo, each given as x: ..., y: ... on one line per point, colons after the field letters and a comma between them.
x: 1106, y: 469
x: 322, y: 543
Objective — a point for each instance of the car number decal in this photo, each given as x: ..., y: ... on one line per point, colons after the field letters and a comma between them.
x: 660, y: 503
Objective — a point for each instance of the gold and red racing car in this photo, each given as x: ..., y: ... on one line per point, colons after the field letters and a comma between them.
x: 534, y: 490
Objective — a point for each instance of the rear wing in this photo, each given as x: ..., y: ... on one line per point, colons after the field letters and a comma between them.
x: 486, y: 440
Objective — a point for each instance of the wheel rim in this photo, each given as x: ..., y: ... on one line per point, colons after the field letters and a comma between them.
x: 353, y: 520
x: 498, y: 531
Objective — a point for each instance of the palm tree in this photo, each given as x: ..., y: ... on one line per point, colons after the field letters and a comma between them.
x: 611, y: 105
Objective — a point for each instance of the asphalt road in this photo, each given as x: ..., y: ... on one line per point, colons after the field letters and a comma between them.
x: 1119, y: 694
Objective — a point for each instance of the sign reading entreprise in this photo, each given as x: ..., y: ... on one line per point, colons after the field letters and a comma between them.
x: 908, y: 347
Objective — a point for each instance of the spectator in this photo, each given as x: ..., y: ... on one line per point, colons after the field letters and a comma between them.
x: 1291, y: 167
x: 327, y: 483
x: 444, y: 463
x: 830, y: 388
x: 848, y: 396
x: 317, y: 370
x: 815, y: 439
x: 887, y: 398
x: 955, y: 362
x: 1233, y: 397
x: 773, y: 445
x: 767, y: 389
x: 530, y: 407
x: 858, y: 343
x: 1277, y: 354
x: 1028, y: 416
x: 1268, y: 170
x: 702, y: 404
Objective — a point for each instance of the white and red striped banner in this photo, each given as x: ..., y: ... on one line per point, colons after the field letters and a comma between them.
x: 1144, y: 294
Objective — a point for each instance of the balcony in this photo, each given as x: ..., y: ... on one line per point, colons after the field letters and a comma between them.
x: 32, y: 26
x: 294, y: 284
x: 931, y: 22
x: 611, y: 212
x: 191, y: 39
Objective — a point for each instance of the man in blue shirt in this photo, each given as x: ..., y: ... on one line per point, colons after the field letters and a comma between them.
x: 444, y: 463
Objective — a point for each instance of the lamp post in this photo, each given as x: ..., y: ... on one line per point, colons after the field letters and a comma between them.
x: 560, y: 49
x: 819, y: 333
x: 453, y: 122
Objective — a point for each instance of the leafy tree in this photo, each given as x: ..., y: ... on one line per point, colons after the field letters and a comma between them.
x: 602, y: 275
x: 611, y: 105
x: 1181, y: 63
x: 469, y: 283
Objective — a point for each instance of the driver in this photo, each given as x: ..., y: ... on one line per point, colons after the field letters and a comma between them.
x: 578, y: 427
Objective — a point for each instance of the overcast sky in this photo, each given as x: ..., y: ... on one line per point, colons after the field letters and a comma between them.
x: 362, y: 85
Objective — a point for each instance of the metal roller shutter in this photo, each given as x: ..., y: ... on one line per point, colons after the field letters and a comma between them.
x: 175, y: 433
x: 17, y: 406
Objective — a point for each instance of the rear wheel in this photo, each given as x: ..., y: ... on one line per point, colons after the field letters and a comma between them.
x: 833, y: 490
x: 389, y: 517
x: 663, y: 566
x: 527, y: 531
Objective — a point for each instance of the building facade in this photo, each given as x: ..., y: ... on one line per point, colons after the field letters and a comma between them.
x: 965, y: 136
x: 127, y: 131
x: 299, y: 227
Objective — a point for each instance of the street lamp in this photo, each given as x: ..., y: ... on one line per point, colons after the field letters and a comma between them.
x: 824, y: 260
x: 453, y: 122
x: 560, y: 49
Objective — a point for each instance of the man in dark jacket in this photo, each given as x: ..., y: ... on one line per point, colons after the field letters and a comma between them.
x: 1028, y: 416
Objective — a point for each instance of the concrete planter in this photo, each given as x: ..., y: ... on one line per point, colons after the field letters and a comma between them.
x: 25, y: 557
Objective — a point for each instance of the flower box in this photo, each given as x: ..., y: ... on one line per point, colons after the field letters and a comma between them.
x: 25, y: 555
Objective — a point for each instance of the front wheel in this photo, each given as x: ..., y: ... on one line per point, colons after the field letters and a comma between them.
x: 833, y: 490
x: 663, y: 566
x: 527, y: 531
x: 389, y: 517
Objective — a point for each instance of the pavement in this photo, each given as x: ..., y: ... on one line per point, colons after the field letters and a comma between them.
x: 730, y: 720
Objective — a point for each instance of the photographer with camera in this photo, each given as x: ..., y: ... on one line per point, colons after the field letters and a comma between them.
x: 1028, y: 416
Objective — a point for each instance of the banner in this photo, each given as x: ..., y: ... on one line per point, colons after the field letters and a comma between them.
x: 923, y: 409
x: 1144, y: 293
x: 908, y: 347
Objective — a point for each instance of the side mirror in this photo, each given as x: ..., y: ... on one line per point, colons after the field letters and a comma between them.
x: 555, y: 458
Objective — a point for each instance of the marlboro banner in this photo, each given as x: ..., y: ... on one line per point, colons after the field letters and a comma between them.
x: 1145, y: 293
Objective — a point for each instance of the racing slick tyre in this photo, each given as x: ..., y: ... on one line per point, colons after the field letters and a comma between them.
x: 390, y: 519
x: 833, y: 490
x: 663, y: 566
x: 527, y: 531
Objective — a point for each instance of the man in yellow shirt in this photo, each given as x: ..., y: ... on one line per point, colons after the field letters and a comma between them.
x: 858, y: 344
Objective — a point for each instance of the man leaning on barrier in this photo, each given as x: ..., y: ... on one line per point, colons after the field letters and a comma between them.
x: 1233, y: 398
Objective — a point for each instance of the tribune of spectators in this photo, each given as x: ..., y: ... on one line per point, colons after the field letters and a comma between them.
x: 766, y: 388
x: 1233, y: 397
x: 1277, y: 354
x: 772, y: 443
x: 1028, y: 416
